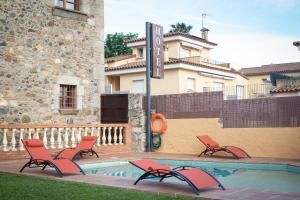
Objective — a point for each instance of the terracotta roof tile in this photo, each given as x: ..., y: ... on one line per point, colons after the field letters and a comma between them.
x: 288, y: 88
x: 141, y: 64
x: 170, y: 34
x: 267, y: 69
x: 119, y: 58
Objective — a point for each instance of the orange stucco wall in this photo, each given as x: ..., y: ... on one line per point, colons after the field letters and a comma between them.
x: 180, y: 137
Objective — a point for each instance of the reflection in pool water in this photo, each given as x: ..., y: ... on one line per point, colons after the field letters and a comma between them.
x: 231, y: 175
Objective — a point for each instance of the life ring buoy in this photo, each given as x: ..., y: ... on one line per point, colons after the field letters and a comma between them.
x: 163, y: 128
x: 155, y: 140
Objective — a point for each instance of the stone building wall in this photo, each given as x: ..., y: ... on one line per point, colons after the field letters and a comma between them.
x: 136, y: 116
x: 43, y: 46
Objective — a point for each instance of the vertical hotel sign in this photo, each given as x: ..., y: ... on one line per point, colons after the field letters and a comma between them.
x: 157, y: 53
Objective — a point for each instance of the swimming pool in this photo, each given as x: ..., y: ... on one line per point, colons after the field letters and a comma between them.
x: 274, y: 177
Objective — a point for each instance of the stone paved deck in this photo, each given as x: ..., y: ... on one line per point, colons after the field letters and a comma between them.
x: 164, y: 187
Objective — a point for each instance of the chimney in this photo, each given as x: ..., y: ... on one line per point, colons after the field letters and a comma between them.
x: 204, y: 32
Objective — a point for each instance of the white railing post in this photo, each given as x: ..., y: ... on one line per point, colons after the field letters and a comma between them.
x: 92, y: 131
x: 66, y: 138
x: 98, y: 136
x: 86, y: 131
x: 73, y: 142
x: 59, y: 144
x: 4, y: 142
x: 45, y: 141
x: 20, y: 140
x: 121, y: 135
x: 104, y: 136
x: 109, y: 136
x: 29, y: 133
x: 13, y: 140
x: 114, y: 135
x: 52, y: 140
x: 79, y: 134
x: 36, y: 135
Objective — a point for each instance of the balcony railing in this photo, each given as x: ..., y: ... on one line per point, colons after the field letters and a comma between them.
x: 242, y: 91
x: 61, y: 136
x: 201, y: 60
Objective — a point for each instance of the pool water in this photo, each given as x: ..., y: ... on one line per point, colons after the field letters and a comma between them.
x: 274, y: 177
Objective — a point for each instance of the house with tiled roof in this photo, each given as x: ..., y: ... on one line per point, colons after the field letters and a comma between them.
x: 187, y: 64
x: 283, y: 78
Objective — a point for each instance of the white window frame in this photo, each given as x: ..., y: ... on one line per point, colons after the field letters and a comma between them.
x: 140, y: 52
x: 191, y: 84
x: 140, y: 89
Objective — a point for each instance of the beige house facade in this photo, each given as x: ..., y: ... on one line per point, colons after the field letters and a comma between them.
x: 187, y: 68
x: 286, y: 78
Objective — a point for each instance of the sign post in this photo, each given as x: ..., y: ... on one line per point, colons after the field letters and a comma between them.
x: 154, y: 68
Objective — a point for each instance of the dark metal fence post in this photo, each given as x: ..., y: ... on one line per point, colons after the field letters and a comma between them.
x: 148, y: 84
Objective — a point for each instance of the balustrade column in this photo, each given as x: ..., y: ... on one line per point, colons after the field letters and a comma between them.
x: 86, y: 129
x: 109, y: 136
x: 104, y: 136
x: 66, y: 138
x: 92, y: 131
x: 98, y: 136
x: 79, y: 135
x: 121, y: 135
x: 29, y: 133
x: 36, y: 135
x: 20, y: 140
x: 52, y: 140
x: 59, y: 143
x: 13, y: 140
x: 4, y: 142
x: 45, y: 141
x: 73, y: 142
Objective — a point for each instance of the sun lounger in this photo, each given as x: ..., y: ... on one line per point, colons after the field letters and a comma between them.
x: 213, y: 147
x: 40, y: 157
x: 196, y: 178
x: 83, y: 148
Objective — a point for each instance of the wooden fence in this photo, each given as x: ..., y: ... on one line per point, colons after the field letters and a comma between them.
x: 248, y: 113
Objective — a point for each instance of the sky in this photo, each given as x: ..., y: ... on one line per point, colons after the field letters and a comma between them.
x: 249, y: 33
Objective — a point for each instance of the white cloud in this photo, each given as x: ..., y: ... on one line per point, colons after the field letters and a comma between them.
x: 249, y: 49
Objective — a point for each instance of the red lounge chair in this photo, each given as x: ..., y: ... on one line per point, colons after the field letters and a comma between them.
x: 84, y: 147
x: 40, y: 157
x: 213, y: 147
x: 196, y: 178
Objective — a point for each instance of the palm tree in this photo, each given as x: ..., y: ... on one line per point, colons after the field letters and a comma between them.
x: 181, y: 27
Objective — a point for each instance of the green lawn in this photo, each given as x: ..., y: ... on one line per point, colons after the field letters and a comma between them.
x: 27, y: 187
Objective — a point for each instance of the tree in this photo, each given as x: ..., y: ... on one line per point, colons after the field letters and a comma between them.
x: 115, y: 44
x: 181, y: 27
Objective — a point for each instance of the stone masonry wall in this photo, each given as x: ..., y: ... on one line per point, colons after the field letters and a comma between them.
x: 136, y: 116
x: 42, y: 46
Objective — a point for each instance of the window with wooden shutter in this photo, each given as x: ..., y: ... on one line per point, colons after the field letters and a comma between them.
x: 69, y: 4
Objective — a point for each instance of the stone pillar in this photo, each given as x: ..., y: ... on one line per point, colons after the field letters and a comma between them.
x: 136, y: 119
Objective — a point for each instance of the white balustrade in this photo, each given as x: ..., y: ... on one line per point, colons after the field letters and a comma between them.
x: 59, y: 143
x: 98, y: 136
x: 73, y: 141
x: 121, y: 135
x: 92, y: 131
x: 36, y: 135
x: 79, y: 135
x: 52, y: 140
x: 109, y: 136
x: 66, y: 138
x: 60, y: 136
x: 86, y: 131
x: 29, y: 133
x: 45, y: 138
x: 4, y: 143
x: 21, y: 138
x: 13, y: 140
x: 104, y: 136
